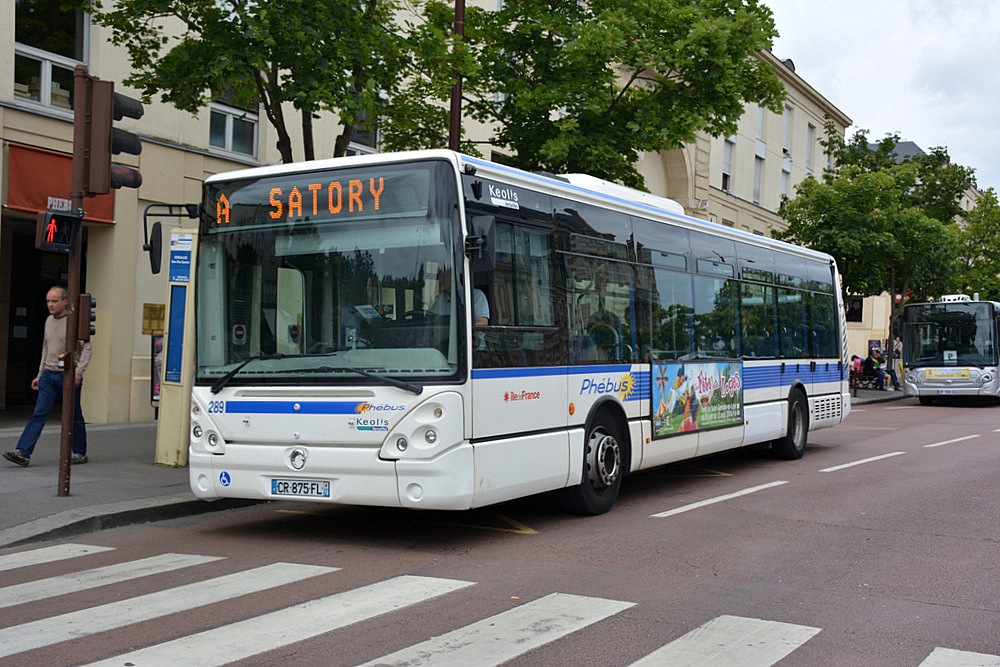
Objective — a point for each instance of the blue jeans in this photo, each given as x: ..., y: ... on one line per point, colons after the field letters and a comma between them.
x: 50, y: 386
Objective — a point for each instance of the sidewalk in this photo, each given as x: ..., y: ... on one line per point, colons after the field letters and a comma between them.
x: 119, y: 486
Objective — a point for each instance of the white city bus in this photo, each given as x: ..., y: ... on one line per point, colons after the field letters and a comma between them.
x: 339, y: 357
x: 950, y: 349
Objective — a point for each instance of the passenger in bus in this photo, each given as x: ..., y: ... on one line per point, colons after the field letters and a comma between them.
x: 442, y: 303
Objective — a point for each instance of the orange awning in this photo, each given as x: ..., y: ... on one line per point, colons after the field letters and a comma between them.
x: 39, y: 180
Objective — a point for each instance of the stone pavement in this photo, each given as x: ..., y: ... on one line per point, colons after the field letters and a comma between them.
x: 120, y: 485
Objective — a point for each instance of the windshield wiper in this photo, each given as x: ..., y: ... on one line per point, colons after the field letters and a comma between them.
x: 224, y: 380
x: 392, y: 382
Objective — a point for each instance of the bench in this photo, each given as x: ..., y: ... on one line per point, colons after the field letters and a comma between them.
x: 861, y: 381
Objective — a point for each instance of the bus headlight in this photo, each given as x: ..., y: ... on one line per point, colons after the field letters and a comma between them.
x: 985, y: 377
x: 213, y: 439
x: 197, y: 432
x: 428, y: 429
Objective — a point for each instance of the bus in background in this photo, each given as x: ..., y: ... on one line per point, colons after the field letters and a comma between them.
x: 950, y: 348
x: 432, y: 330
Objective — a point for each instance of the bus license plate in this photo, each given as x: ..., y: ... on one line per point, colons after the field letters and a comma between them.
x: 300, y: 487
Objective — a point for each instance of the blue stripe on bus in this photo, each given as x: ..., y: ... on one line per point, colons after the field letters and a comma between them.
x: 289, y: 407
x: 754, y: 377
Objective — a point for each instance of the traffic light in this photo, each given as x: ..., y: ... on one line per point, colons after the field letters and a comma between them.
x: 86, y: 317
x: 98, y: 140
x: 56, y: 231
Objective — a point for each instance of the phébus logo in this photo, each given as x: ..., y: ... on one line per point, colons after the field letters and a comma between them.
x: 362, y: 408
x: 623, y: 386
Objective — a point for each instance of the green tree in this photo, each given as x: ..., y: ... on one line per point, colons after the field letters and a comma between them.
x: 889, y: 222
x: 979, y: 250
x: 345, y: 57
x: 588, y: 86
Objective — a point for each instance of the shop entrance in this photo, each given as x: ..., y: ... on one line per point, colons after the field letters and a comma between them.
x: 32, y: 273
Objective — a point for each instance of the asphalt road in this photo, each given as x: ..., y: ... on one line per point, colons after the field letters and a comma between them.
x: 879, y: 547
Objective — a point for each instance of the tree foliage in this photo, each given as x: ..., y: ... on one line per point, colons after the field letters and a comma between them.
x: 979, y: 250
x: 889, y: 222
x: 588, y: 86
x: 343, y: 56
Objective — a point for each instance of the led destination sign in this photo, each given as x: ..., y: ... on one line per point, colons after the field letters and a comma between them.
x: 321, y: 196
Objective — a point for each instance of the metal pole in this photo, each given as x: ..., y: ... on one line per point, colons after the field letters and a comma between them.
x: 81, y: 105
x: 455, y: 113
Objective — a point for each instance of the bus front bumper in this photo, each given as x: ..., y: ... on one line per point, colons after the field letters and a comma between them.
x: 350, y: 476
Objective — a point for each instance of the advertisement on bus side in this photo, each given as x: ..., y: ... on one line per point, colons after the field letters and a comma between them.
x: 691, y: 397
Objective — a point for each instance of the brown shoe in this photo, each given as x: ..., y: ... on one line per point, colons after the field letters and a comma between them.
x: 17, y: 457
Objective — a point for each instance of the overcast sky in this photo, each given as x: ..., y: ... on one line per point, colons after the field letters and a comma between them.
x: 928, y: 70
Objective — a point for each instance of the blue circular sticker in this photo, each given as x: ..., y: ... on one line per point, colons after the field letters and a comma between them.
x: 224, y: 478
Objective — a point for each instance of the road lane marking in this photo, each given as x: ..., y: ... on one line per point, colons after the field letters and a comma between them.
x: 300, y: 622
x: 48, y: 555
x: 118, y: 614
x: 947, y: 657
x: 503, y: 637
x: 732, y: 640
x: 31, y: 591
x: 948, y: 442
x: 861, y: 462
x: 718, y: 499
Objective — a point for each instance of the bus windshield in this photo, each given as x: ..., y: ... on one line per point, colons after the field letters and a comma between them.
x: 949, y: 334
x: 330, y: 277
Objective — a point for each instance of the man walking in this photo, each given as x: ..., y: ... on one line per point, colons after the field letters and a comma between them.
x: 49, y: 383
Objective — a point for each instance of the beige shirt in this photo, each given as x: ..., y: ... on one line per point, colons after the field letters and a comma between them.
x: 54, y: 344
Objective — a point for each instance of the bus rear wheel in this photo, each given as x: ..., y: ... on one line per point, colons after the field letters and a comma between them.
x: 603, y: 467
x: 793, y: 445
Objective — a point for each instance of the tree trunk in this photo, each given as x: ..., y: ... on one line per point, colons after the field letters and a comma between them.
x: 272, y: 109
x: 307, y: 135
x: 343, y: 141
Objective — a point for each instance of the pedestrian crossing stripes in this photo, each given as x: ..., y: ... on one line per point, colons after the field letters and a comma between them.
x: 731, y: 640
x: 48, y: 555
x: 101, y: 576
x: 280, y: 628
x: 153, y: 605
x: 498, y: 639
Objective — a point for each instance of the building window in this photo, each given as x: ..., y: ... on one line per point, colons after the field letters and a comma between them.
x: 727, y: 163
x: 784, y: 182
x: 48, y: 43
x: 810, y: 140
x: 855, y: 309
x: 786, y: 132
x: 760, y: 124
x: 758, y: 178
x: 233, y: 130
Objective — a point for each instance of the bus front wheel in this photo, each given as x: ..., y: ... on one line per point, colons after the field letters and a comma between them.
x: 603, y: 467
x: 793, y: 445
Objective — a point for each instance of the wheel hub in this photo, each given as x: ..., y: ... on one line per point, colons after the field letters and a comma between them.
x: 604, y: 459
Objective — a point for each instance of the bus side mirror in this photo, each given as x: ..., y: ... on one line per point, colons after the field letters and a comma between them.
x: 155, y: 248
x: 480, y: 245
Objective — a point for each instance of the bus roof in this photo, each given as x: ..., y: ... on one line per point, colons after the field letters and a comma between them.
x: 578, y: 185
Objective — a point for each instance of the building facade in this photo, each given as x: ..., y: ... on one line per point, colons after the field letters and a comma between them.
x: 736, y: 181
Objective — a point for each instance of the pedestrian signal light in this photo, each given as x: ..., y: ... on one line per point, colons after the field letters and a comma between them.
x: 86, y: 317
x: 56, y: 231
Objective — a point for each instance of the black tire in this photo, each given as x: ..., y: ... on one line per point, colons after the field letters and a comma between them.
x: 603, y: 468
x: 793, y: 445
x: 925, y: 400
